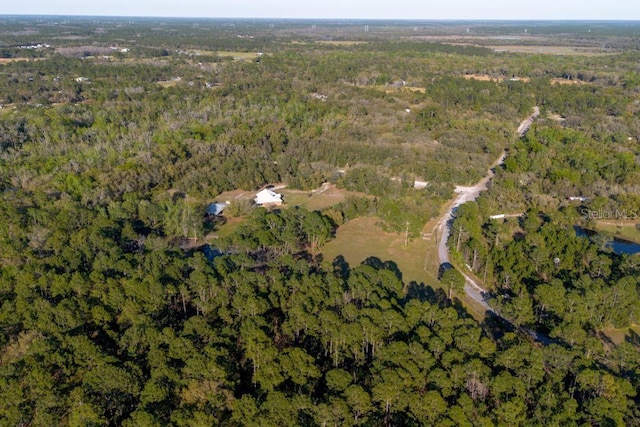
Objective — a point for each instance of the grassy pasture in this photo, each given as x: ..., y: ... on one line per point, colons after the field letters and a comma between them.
x: 619, y: 335
x: 237, y: 55
x: 318, y: 199
x: 362, y: 238
x: 549, y: 50
x: 624, y: 229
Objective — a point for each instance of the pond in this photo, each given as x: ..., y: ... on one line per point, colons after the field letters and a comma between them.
x: 619, y: 246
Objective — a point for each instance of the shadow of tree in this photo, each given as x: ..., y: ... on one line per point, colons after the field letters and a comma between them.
x: 378, y: 264
x: 423, y: 292
x: 495, y: 326
x: 632, y: 337
x: 341, y: 268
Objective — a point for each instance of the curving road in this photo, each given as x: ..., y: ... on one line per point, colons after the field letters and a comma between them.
x: 467, y: 194
x: 526, y: 123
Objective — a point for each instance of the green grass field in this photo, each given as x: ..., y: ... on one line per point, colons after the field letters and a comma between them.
x: 237, y: 55
x: 362, y: 238
x: 618, y: 336
x: 623, y: 230
x: 550, y: 50
x: 318, y: 199
x: 228, y: 227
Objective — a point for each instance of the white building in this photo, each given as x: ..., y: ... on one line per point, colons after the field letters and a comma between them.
x: 268, y: 197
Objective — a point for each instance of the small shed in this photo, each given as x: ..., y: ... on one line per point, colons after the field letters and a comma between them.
x: 215, y: 209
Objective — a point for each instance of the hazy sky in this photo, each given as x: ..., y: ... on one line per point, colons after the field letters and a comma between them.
x: 371, y: 9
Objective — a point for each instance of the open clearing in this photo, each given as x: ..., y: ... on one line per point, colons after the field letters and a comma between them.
x: 6, y: 108
x: 622, y: 229
x: 315, y: 200
x: 619, y: 335
x: 230, y: 196
x: 488, y: 78
x: 549, y: 50
x: 239, y: 56
x: 393, y: 89
x: 168, y: 83
x: 230, y: 225
x: 321, y: 198
x: 8, y: 60
x: 483, y: 77
x: 362, y: 238
x: 560, y: 81
x: 340, y: 42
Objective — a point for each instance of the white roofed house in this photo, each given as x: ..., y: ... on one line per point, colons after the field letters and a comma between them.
x: 268, y: 197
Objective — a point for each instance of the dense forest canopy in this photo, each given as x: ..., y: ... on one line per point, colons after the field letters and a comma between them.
x: 122, y: 303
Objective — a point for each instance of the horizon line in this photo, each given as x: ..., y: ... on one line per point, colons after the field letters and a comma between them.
x: 241, y: 18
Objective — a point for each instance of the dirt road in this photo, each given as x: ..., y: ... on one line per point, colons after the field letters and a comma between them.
x: 467, y: 194
x: 526, y: 123
x: 443, y: 229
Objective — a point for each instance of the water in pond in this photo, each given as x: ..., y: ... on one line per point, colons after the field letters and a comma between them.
x: 619, y: 246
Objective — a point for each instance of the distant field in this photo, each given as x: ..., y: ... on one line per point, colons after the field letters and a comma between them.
x: 237, y: 55
x: 488, y: 78
x: 8, y: 60
x: 168, y: 83
x: 390, y: 89
x: 362, y: 238
x: 549, y: 50
x: 483, y: 78
x: 623, y: 230
x: 340, y: 42
x: 567, y: 82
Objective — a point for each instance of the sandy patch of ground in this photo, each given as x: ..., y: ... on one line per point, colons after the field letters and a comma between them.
x: 230, y: 196
x: 488, y: 78
x: 560, y: 81
x: 8, y: 60
x: 556, y: 118
x: 168, y: 83
x: 406, y: 88
x: 483, y: 78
